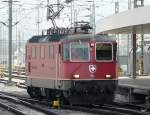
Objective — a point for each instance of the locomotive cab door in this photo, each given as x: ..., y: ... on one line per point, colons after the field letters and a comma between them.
x: 58, y: 79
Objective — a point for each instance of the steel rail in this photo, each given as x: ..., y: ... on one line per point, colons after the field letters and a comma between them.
x: 21, y: 85
x: 91, y: 110
x: 39, y: 108
x: 127, y: 105
x: 41, y: 102
x: 125, y: 110
x: 30, y: 105
x: 108, y: 110
x: 12, y: 94
x: 9, y: 108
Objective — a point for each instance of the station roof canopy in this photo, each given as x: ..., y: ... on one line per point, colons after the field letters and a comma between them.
x: 125, y: 21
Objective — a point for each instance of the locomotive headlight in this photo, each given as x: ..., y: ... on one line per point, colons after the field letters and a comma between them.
x: 76, y: 76
x: 108, y: 76
x: 92, y: 44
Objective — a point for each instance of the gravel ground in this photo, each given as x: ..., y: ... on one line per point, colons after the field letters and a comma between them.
x: 5, y: 112
x: 13, y: 89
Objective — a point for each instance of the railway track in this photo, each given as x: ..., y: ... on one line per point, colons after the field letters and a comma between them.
x: 16, y: 73
x: 112, y: 109
x: 41, y: 105
x: 21, y: 107
x: 18, y: 77
x: 127, y: 105
x: 107, y: 109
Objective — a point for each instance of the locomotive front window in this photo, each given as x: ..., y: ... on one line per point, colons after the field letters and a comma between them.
x: 79, y: 52
x: 103, y: 51
x: 66, y: 52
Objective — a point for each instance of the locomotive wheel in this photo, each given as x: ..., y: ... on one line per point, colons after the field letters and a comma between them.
x: 56, y: 95
x: 110, y: 97
x: 38, y: 93
x: 30, y: 92
x: 34, y: 92
x: 64, y: 101
x: 48, y: 94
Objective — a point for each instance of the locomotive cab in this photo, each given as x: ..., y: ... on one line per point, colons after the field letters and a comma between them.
x: 91, y: 68
x: 86, y: 54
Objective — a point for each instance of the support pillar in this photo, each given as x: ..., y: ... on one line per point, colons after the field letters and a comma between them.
x: 134, y: 53
x: 10, y: 42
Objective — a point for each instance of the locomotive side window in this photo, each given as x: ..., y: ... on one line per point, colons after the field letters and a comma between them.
x: 51, y: 51
x: 103, y: 51
x: 66, y: 51
x: 42, y: 52
x: 79, y: 52
x: 33, y: 52
x: 115, y: 51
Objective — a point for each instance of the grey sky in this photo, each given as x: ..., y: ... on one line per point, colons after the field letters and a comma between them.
x: 25, y: 11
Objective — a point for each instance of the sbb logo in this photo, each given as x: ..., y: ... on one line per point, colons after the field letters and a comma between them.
x: 92, y: 68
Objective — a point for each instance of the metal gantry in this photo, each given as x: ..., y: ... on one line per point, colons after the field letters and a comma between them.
x: 10, y: 40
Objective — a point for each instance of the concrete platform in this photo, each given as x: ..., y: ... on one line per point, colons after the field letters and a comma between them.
x: 141, y: 82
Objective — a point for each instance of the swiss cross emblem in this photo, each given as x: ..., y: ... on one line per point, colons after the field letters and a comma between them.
x: 92, y: 68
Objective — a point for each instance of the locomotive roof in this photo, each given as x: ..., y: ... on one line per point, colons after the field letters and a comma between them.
x: 89, y: 37
x: 45, y: 38
x: 67, y: 38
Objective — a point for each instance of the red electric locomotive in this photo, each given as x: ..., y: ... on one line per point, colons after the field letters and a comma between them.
x: 78, y: 68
